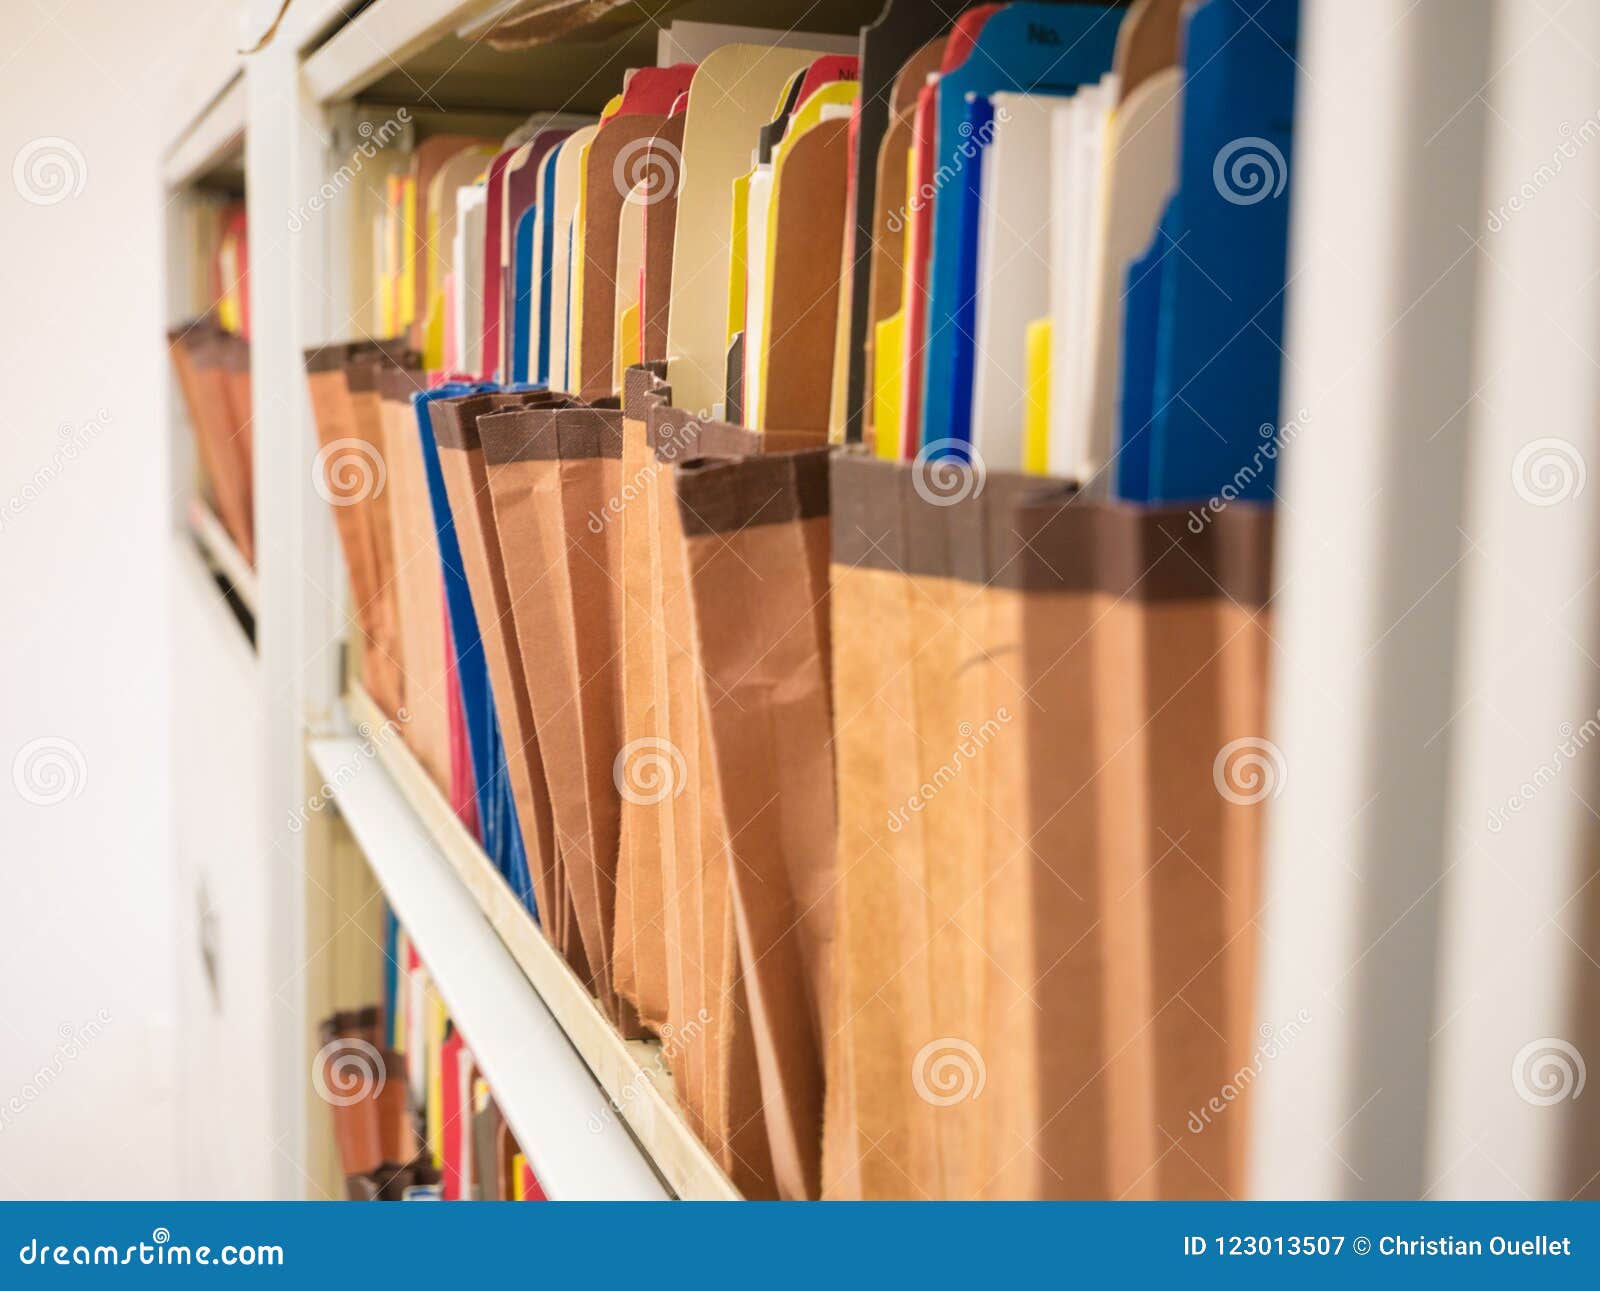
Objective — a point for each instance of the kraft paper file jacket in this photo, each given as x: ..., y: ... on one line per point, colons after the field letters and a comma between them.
x: 419, y: 582
x: 756, y: 546
x: 641, y: 971
x: 373, y: 1125
x: 1056, y: 968
x: 743, y: 872
x: 549, y: 468
x: 343, y: 381
x: 213, y: 368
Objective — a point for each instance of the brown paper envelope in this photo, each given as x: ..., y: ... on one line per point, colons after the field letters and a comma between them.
x: 604, y: 198
x: 699, y: 905
x: 1182, y: 945
x: 1047, y: 1132
x: 384, y: 666
x: 397, y: 1131
x: 640, y: 968
x: 718, y: 988
x: 466, y: 483
x: 697, y: 914
x: 696, y: 977
x: 350, y: 461
x: 882, y: 909
x: 234, y: 354
x: 419, y: 580
x: 747, y: 1159
x: 343, y: 383
x: 667, y: 629
x: 941, y: 803
x: 672, y: 435
x: 522, y: 452
x: 765, y: 681
x: 590, y: 443
x: 730, y: 1081
x: 198, y: 355
x: 1244, y: 609
x: 682, y: 873
x: 355, y: 1104
x: 200, y: 389
x: 808, y: 240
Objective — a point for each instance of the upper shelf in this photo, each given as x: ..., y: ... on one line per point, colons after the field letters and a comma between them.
x: 437, y: 53
x: 211, y: 151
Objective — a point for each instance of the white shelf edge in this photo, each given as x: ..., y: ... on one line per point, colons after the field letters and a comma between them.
x: 631, y: 1073
x: 220, y: 550
x: 218, y: 131
x: 378, y: 39
x: 538, y: 1080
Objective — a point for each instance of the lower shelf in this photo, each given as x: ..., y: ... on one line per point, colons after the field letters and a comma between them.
x: 630, y: 1081
x: 220, y: 552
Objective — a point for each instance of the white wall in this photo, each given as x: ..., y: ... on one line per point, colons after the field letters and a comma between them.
x: 93, y: 596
